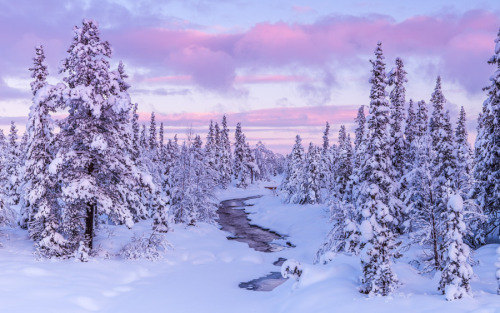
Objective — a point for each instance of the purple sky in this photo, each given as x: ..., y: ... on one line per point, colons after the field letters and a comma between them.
x: 280, y: 67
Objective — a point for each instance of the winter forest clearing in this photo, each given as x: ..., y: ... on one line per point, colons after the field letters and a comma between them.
x: 99, y: 213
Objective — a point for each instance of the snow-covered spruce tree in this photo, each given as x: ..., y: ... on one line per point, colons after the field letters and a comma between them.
x: 310, y: 189
x: 359, y: 135
x: 7, y: 214
x: 244, y: 165
x: 225, y: 166
x: 266, y: 162
x: 13, y: 166
x: 291, y: 183
x: 410, y: 135
x: 326, y: 169
x: 464, y: 158
x: 486, y: 190
x: 39, y: 74
x: 239, y: 151
x: 376, y: 190
x: 343, y: 165
x: 161, y: 137
x: 424, y: 223
x: 135, y: 144
x: 344, y: 235
x: 442, y: 153
x: 397, y: 96
x: 153, y: 140
x: 41, y: 211
x: 212, y: 152
x: 95, y: 168
x: 218, y: 151
x: 192, y: 190
x: 443, y: 158
x: 457, y: 272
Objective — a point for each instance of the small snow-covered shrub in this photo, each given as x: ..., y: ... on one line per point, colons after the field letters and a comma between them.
x: 82, y: 254
x: 141, y: 247
x: 291, y: 268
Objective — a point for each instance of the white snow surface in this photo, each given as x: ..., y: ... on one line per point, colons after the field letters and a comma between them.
x: 202, y: 271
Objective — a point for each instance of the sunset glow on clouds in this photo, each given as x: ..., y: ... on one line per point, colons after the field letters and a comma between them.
x: 281, y: 64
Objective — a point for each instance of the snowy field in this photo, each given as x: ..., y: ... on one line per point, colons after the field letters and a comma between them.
x: 202, y: 271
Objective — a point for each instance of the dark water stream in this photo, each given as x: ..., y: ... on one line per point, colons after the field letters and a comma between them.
x: 234, y: 219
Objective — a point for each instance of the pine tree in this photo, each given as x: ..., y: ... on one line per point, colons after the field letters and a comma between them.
x: 294, y: 175
x: 266, y: 161
x: 326, y: 170
x: 212, y: 153
x: 397, y: 77
x: 161, y: 137
x: 13, y: 166
x: 40, y: 187
x: 96, y: 171
x: 225, y: 166
x: 457, y: 273
x: 463, y: 157
x: 136, y: 145
x: 410, y: 137
x: 143, y: 140
x: 7, y: 214
x: 359, y: 135
x: 442, y: 156
x: 376, y: 197
x: 424, y: 223
x: 243, y: 159
x: 153, y: 143
x: 487, y: 146
x: 343, y: 166
x: 310, y: 191
x: 192, y: 189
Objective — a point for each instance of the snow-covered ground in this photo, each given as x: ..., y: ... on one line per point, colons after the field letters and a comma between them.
x: 202, y: 271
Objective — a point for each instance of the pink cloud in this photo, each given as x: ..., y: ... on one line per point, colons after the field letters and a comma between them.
x: 213, y: 59
x: 174, y: 48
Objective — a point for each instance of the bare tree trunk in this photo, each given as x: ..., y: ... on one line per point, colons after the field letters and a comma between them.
x: 89, y: 219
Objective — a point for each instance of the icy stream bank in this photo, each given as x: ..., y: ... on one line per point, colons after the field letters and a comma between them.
x: 233, y: 219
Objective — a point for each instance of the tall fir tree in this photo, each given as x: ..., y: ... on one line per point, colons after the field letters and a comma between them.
x: 359, y: 135
x: 192, y: 188
x: 487, y: 152
x: 326, y: 166
x: 442, y: 156
x: 343, y: 166
x: 410, y: 137
x: 225, y: 165
x: 13, y: 167
x: 290, y: 185
x: 464, y: 157
x: 41, y: 211
x: 310, y: 189
x: 96, y: 171
x: 376, y: 191
x: 397, y: 96
x: 153, y: 140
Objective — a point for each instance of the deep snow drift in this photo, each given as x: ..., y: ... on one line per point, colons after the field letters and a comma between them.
x: 203, y: 269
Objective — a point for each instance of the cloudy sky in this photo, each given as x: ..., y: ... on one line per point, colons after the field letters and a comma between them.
x: 280, y: 67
